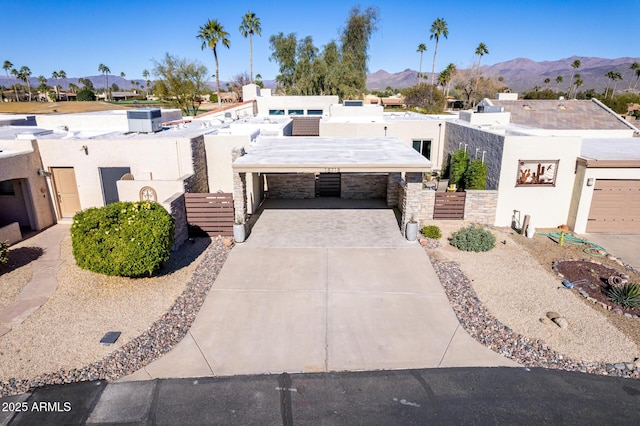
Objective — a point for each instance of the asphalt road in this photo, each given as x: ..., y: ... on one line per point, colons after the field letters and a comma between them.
x: 435, y: 396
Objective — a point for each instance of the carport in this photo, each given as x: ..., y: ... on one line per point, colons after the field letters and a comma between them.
x: 368, y: 168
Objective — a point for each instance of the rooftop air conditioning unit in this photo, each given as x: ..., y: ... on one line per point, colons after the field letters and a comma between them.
x: 145, y: 120
x: 355, y: 103
x: 490, y: 108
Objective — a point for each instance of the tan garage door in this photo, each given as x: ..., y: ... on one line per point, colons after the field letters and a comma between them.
x: 615, y: 206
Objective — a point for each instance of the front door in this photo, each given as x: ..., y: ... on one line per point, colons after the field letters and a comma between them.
x: 67, y: 199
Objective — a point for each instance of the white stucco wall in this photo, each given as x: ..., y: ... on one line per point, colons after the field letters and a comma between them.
x: 265, y: 103
x: 129, y: 190
x: 583, y: 194
x: 149, y: 158
x: 219, y: 149
x: 547, y: 206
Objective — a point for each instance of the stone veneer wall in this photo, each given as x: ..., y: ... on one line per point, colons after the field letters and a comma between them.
x: 198, y: 182
x: 291, y: 185
x: 393, y: 189
x: 361, y: 186
x: 176, y: 206
x: 480, y: 206
x: 427, y: 200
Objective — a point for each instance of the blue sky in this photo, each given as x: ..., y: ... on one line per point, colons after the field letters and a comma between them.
x: 76, y: 36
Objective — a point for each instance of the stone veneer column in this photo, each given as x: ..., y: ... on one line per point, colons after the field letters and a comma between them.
x: 411, y: 201
x: 239, y: 188
x: 393, y: 186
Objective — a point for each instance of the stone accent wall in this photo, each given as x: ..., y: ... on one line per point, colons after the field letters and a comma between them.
x: 411, y: 198
x: 198, y: 182
x: 239, y: 188
x: 480, y: 206
x: 427, y: 201
x: 291, y: 185
x: 176, y: 206
x: 393, y: 189
x: 457, y: 136
x: 361, y: 186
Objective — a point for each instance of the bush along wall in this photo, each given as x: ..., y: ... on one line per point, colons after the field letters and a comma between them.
x: 475, y: 177
x: 124, y: 238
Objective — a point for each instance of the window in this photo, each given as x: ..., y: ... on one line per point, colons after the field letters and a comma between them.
x: 276, y: 112
x: 423, y: 147
x: 295, y: 112
x: 6, y: 188
x: 314, y: 112
x: 537, y: 172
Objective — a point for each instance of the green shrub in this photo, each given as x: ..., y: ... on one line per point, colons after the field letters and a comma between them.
x: 459, y: 164
x: 473, y: 238
x: 475, y: 177
x: 86, y: 95
x: 124, y: 238
x: 431, y: 231
x: 4, y: 252
x: 626, y: 295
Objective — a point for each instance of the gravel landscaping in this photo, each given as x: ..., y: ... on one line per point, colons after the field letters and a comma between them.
x: 59, y: 343
x: 503, y: 298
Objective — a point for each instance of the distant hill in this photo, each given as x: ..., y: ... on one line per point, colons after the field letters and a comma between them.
x: 522, y: 74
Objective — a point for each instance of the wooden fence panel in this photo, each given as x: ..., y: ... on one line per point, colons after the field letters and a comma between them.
x: 210, y: 214
x: 449, y: 205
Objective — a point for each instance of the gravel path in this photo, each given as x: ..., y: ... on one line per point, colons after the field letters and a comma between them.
x: 59, y: 343
x: 501, y: 296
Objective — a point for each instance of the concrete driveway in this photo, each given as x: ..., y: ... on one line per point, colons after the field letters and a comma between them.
x: 323, y: 285
x: 624, y: 246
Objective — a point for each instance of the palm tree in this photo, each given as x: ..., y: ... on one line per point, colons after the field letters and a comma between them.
x: 105, y: 70
x: 438, y: 29
x: 481, y: 50
x: 613, y: 76
x: 55, y: 76
x: 24, y: 75
x: 634, y: 67
x: 546, y: 82
x: 145, y: 75
x: 123, y: 75
x: 73, y: 88
x: 558, y: 81
x: 7, y: 66
x: 63, y: 75
x: 575, y: 65
x: 212, y: 33
x: 637, y: 78
x: 577, y: 84
x: 250, y: 25
x: 421, y: 49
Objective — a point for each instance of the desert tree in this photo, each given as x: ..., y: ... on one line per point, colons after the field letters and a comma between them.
x: 283, y: 52
x: 180, y: 82
x: 355, y: 37
x: 212, y: 33
x: 73, y: 88
x: 438, y: 29
x: 6, y: 67
x: 250, y: 25
x: 421, y: 49
x: 102, y: 68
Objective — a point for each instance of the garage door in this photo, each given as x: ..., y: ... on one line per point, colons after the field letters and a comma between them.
x: 615, y: 206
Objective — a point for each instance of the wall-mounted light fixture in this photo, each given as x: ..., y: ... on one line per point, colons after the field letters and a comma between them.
x: 85, y: 149
x: 385, y: 131
x: 44, y: 173
x: 590, y: 181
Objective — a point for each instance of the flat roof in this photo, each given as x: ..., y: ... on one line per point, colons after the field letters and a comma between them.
x: 611, y: 149
x: 335, y: 154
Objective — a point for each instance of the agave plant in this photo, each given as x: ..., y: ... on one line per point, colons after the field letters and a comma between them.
x: 626, y: 295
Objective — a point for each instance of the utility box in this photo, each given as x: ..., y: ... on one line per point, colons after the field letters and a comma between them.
x: 145, y: 120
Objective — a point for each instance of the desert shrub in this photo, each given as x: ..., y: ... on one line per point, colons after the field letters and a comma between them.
x: 458, y: 166
x: 626, y: 295
x: 4, y: 252
x: 124, y: 238
x: 86, y: 95
x: 431, y: 231
x: 475, y: 177
x: 473, y: 238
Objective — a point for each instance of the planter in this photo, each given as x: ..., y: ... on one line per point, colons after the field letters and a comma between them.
x: 411, y: 231
x: 239, y: 232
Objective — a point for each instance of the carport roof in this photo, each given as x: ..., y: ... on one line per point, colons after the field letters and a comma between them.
x: 324, y: 154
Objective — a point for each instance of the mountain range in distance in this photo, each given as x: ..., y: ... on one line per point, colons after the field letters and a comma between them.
x: 522, y: 74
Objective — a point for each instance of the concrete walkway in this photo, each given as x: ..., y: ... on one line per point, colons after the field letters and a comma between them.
x: 43, y: 281
x: 318, y: 290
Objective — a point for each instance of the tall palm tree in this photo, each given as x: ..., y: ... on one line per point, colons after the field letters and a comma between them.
x: 23, y: 74
x: 558, y: 81
x: 63, y: 75
x: 123, y: 75
x: 575, y: 65
x: 421, y: 49
x: 212, y: 33
x: 7, y: 66
x: 250, y: 25
x: 637, y: 78
x: 634, y: 68
x: 105, y: 70
x: 577, y: 84
x: 145, y: 75
x: 55, y: 76
x: 438, y: 29
x: 546, y: 83
x: 613, y: 76
x: 481, y: 50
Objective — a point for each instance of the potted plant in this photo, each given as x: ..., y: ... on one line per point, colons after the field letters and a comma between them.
x: 239, y: 231
x: 411, y: 230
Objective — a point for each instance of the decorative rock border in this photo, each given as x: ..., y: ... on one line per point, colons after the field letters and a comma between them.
x: 156, y: 341
x: 490, y: 332
x: 584, y: 294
